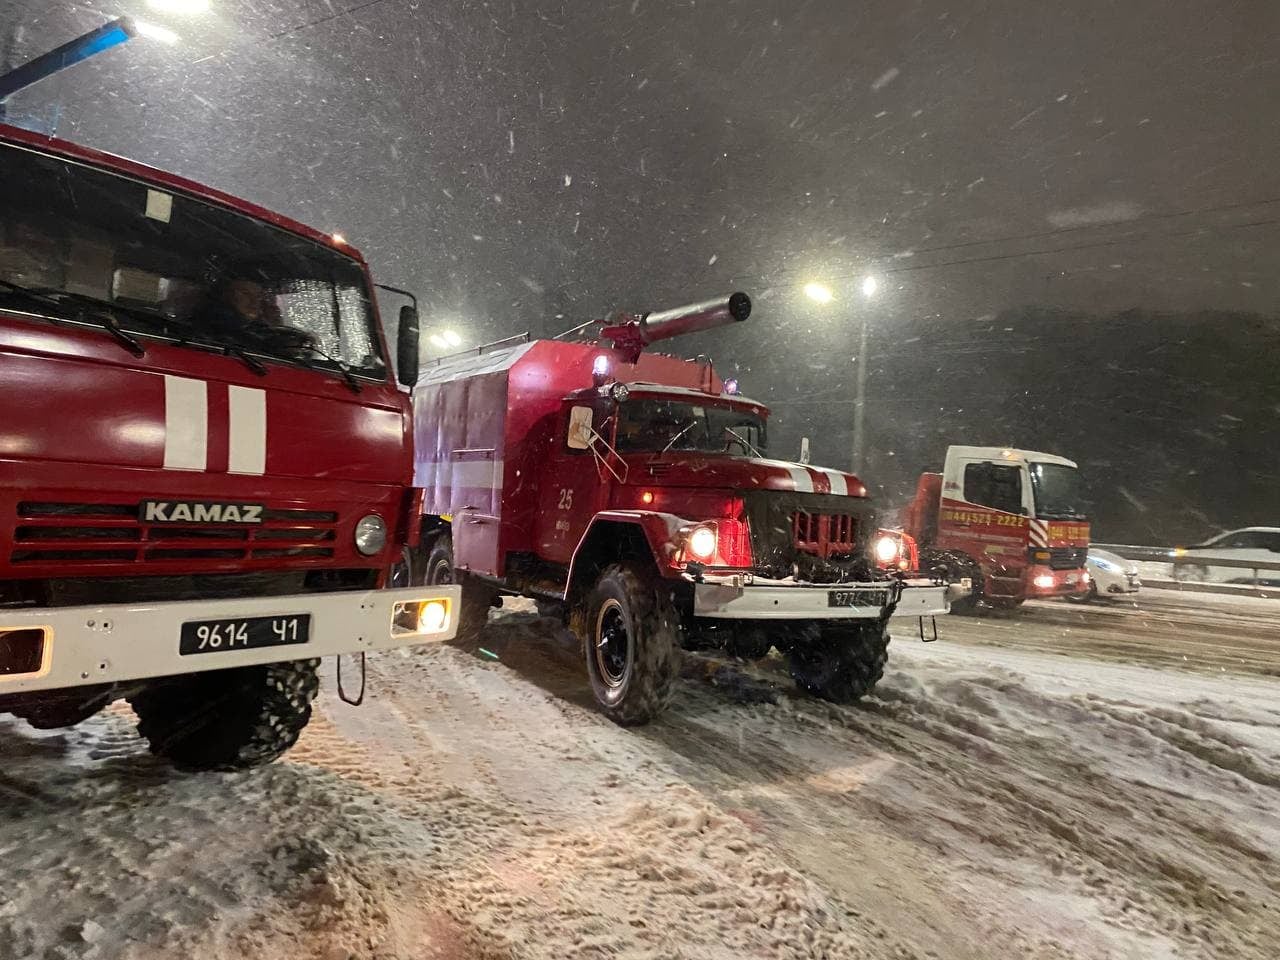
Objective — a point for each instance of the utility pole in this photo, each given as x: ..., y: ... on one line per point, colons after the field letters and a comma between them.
x: 860, y: 390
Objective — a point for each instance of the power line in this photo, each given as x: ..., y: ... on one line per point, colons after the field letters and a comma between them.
x: 1014, y: 238
x: 1195, y: 211
x: 775, y: 280
x: 333, y: 16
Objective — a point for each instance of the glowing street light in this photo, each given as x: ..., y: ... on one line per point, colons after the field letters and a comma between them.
x: 181, y: 7
x: 818, y: 292
x: 153, y: 31
x: 869, y: 286
x: 445, y: 340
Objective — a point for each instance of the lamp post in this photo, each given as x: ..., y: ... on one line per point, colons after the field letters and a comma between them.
x: 821, y: 293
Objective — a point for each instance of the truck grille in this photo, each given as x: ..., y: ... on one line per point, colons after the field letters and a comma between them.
x: 824, y: 535
x: 1067, y: 558
x: 812, y: 536
x: 113, y: 533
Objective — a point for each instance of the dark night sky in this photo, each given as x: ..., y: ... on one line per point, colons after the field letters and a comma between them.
x: 514, y: 161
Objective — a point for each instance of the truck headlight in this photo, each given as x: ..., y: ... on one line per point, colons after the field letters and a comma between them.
x: 886, y: 550
x: 371, y: 534
x: 702, y: 543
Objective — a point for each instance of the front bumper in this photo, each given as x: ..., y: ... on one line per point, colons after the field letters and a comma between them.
x: 743, y: 598
x: 1130, y: 583
x: 1043, y: 581
x: 124, y: 642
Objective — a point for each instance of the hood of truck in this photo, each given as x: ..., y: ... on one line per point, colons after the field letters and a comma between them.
x: 114, y: 465
x: 72, y: 395
x: 692, y: 470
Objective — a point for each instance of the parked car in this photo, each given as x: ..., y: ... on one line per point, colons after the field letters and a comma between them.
x: 1258, y: 544
x: 1109, y: 576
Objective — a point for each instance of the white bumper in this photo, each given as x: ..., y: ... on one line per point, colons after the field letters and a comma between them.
x: 119, y: 642
x: 739, y: 599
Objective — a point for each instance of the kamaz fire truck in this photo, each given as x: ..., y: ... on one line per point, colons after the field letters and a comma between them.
x: 1012, y: 522
x: 205, y: 462
x: 635, y: 491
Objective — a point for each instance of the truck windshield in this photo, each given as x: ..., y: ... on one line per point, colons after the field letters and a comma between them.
x: 76, y: 241
x: 1058, y: 492
x: 654, y: 425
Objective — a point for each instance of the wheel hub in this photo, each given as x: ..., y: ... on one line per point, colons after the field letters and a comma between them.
x: 612, y: 642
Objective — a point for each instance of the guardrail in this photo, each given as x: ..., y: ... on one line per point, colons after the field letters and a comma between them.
x: 1167, y: 555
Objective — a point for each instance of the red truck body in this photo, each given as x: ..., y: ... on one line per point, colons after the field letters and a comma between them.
x: 146, y: 460
x: 527, y: 509
x: 1012, y: 517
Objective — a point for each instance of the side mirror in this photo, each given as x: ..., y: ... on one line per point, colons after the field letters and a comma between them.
x: 407, y: 347
x: 579, y: 428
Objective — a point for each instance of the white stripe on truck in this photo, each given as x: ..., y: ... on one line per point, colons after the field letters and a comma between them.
x: 186, y: 423
x: 247, y: 446
x: 838, y: 485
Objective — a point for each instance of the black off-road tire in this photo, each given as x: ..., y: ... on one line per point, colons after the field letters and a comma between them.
x: 839, y: 660
x: 228, y: 719
x: 477, y: 598
x: 633, y: 679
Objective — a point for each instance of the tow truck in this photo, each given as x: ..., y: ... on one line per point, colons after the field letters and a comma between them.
x: 1010, y: 522
x: 633, y: 492
x: 205, y: 462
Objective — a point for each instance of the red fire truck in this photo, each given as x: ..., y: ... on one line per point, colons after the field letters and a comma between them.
x: 633, y: 489
x: 205, y: 462
x: 1010, y: 521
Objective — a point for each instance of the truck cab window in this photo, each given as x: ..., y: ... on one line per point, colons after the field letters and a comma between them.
x: 994, y: 485
x: 658, y: 424
x: 77, y: 242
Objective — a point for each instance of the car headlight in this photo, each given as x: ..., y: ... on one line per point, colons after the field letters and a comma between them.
x: 371, y: 534
x: 702, y: 543
x: 886, y: 550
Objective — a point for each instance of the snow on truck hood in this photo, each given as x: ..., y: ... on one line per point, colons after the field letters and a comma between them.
x: 743, y: 473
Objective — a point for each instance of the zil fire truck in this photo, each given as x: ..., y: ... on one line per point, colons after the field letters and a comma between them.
x: 205, y: 462
x: 633, y: 490
x: 1010, y: 521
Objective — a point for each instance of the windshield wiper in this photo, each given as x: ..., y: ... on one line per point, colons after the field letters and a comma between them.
x: 250, y: 361
x: 746, y: 443
x: 343, y: 369
x: 672, y: 442
x: 102, y: 312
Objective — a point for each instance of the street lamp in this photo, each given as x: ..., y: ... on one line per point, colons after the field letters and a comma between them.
x: 445, y: 340
x: 821, y: 293
x: 180, y: 7
x: 869, y: 287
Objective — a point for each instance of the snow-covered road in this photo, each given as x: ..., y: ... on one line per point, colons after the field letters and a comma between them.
x: 1004, y: 796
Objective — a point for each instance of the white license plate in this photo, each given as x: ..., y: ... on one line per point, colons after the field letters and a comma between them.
x: 243, y: 633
